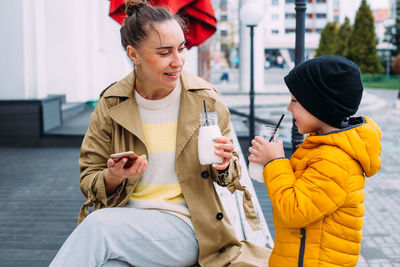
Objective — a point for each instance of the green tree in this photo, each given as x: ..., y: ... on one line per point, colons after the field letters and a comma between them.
x: 327, y: 42
x: 343, y: 38
x: 362, y: 41
x: 393, y: 32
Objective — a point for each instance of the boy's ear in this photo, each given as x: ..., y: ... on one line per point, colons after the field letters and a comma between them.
x: 132, y: 53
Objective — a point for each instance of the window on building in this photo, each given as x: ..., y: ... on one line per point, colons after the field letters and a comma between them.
x: 223, y: 5
x: 319, y: 30
x: 336, y: 18
x: 275, y: 31
x: 317, y: 1
x: 290, y: 16
x: 318, y: 16
x: 224, y: 18
x: 289, y: 30
x: 224, y: 47
x: 289, y: 1
x: 224, y: 33
x: 275, y: 16
x: 336, y: 3
x: 275, y: 2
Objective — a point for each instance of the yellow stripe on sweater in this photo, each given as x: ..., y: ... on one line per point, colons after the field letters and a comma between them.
x: 160, y: 137
x: 170, y: 193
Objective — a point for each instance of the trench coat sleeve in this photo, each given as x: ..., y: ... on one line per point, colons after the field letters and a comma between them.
x: 95, y: 151
x: 234, y: 170
x: 227, y: 177
x: 231, y: 177
x: 319, y: 191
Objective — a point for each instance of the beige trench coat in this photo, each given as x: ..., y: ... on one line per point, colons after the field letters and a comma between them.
x: 115, y: 127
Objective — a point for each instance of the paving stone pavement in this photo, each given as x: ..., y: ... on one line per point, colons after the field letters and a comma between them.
x: 40, y: 201
x: 381, y: 233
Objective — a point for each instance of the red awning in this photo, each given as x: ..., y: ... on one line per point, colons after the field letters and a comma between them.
x: 201, y: 21
x: 117, y: 10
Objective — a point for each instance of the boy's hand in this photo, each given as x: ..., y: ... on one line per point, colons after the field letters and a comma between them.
x: 265, y: 151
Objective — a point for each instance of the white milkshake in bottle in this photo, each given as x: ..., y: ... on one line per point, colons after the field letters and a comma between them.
x: 209, y: 130
x: 256, y: 169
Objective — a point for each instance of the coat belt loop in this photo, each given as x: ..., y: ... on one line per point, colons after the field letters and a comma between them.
x: 251, y: 215
x: 248, y: 207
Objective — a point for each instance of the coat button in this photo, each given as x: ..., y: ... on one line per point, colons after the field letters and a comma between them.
x: 221, y: 250
x: 220, y: 216
x: 205, y: 174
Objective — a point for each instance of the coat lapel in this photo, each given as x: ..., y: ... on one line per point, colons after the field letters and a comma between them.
x: 189, y: 116
x: 126, y: 113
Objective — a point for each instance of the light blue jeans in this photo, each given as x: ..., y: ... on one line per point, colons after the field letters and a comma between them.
x: 129, y: 236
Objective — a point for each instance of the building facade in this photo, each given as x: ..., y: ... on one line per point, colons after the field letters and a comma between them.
x: 225, y: 41
x: 280, y: 25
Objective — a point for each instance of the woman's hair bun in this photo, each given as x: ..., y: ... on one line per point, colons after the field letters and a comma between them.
x: 132, y: 6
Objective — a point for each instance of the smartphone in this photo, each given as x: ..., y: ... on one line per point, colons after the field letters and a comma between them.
x: 130, y: 155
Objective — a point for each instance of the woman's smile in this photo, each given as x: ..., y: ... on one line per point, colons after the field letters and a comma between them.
x: 172, y: 75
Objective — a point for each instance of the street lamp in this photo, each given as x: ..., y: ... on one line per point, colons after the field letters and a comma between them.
x: 300, y: 7
x: 387, y: 53
x: 251, y: 15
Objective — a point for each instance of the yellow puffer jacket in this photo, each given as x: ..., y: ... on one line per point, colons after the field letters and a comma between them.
x: 318, y: 196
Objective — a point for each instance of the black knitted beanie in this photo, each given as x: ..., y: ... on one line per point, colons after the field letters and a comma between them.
x: 329, y: 87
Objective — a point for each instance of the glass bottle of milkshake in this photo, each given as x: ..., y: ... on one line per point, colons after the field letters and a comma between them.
x: 256, y: 169
x: 209, y: 130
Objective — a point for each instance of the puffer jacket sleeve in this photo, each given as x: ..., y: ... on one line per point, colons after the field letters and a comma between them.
x: 95, y: 151
x: 317, y: 192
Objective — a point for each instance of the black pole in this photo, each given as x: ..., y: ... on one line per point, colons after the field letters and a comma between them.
x: 300, y: 7
x: 251, y: 119
x: 387, y: 64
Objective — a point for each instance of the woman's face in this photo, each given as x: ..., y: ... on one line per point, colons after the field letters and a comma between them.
x: 161, y: 56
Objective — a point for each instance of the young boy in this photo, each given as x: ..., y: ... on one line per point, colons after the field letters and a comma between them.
x: 318, y: 195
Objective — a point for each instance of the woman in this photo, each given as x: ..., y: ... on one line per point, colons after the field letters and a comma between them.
x: 165, y: 208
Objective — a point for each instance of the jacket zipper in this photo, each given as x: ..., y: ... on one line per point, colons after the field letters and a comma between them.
x: 302, y: 246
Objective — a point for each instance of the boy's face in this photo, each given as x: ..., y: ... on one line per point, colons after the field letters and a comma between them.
x: 305, y: 121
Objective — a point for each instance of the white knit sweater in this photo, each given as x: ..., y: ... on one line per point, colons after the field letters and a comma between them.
x: 159, y: 187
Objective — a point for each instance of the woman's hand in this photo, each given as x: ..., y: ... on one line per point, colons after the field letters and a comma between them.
x: 224, y: 149
x: 264, y: 151
x: 115, y: 172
